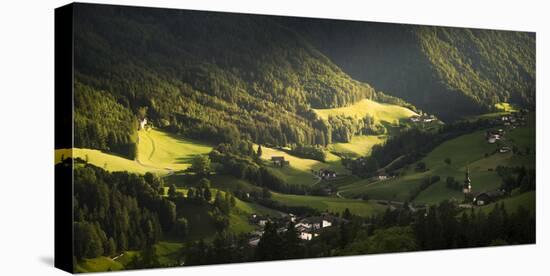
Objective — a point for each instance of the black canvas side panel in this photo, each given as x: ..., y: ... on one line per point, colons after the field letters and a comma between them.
x: 63, y: 137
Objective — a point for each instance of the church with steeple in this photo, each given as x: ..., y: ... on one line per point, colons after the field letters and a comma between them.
x: 467, y: 187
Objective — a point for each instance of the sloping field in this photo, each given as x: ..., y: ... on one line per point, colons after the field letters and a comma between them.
x: 168, y: 151
x: 465, y: 151
x: 358, y: 146
x: 158, y: 152
x: 333, y: 204
x: 379, y: 111
x: 299, y: 170
x: 107, y: 161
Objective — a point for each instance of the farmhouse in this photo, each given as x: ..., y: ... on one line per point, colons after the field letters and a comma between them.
x: 504, y: 149
x: 494, y: 135
x: 259, y: 220
x: 326, y: 174
x: 487, y: 197
x: 382, y: 176
x: 306, y: 233
x: 424, y: 118
x: 142, y: 123
x: 279, y: 161
x: 313, y: 223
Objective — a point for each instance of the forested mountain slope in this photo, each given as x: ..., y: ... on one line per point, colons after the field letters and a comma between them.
x: 451, y: 72
x: 211, y: 76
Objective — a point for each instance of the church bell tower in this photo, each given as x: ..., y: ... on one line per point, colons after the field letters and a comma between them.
x: 467, y: 187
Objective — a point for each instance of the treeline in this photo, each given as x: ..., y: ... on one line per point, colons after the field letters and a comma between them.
x: 249, y: 79
x: 343, y: 128
x: 310, y: 152
x: 102, y: 123
x: 424, y: 184
x: 408, y: 146
x: 115, y: 212
x: 443, y: 227
x: 241, y: 161
x: 214, y: 209
x: 517, y: 177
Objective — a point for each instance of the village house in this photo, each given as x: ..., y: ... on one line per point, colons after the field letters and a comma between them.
x: 306, y: 233
x: 504, y: 149
x: 314, y: 223
x: 255, y: 237
x: 480, y: 198
x: 423, y: 118
x: 279, y: 161
x: 326, y: 174
x: 142, y: 123
x: 259, y: 220
x: 514, y: 119
x: 494, y: 135
x: 487, y: 197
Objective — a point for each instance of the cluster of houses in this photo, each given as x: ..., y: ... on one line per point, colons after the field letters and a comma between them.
x: 480, y: 198
x: 493, y: 136
x: 326, y: 174
x: 515, y: 119
x: 423, y: 118
x: 279, y: 161
x: 307, y: 227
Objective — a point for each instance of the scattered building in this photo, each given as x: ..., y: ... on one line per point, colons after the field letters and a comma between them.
x: 311, y: 227
x: 423, y: 118
x: 326, y: 174
x: 258, y: 220
x: 142, y: 123
x: 487, y: 197
x: 477, y: 199
x: 504, y: 149
x: 382, y: 176
x: 279, y: 161
x: 493, y: 136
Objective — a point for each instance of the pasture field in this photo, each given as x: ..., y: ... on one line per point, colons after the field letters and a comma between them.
x: 107, y: 161
x: 381, y: 112
x: 158, y: 152
x: 332, y: 204
x: 360, y: 145
x: 167, y: 151
x: 467, y: 151
x: 98, y: 264
x: 511, y: 204
x: 299, y: 170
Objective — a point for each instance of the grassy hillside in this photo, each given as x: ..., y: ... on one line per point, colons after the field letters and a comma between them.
x: 381, y: 112
x: 158, y: 152
x: 98, y: 264
x: 333, y: 204
x: 359, y: 145
x: 299, y: 170
x: 465, y: 151
x: 161, y: 149
x: 107, y: 161
x: 224, y: 183
x: 527, y: 200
